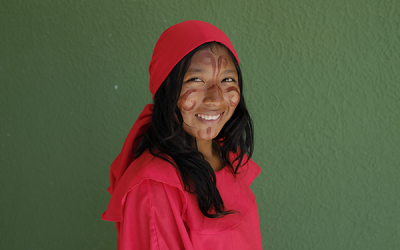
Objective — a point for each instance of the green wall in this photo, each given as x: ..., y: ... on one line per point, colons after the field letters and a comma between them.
x: 322, y: 82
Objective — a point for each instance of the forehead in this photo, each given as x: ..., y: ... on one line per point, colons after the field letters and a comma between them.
x: 211, y: 55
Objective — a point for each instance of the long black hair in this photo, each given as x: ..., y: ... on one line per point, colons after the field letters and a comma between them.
x: 167, y: 139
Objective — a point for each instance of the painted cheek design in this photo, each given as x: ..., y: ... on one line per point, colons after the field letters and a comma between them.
x: 183, y: 99
x: 233, y: 99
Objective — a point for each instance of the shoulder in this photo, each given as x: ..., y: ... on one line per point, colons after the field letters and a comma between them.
x: 148, y: 166
x: 150, y: 194
x: 253, y: 170
x: 142, y: 172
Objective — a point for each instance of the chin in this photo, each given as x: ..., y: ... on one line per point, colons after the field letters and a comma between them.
x: 208, y: 137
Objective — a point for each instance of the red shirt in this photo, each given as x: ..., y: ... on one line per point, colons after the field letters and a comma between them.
x: 153, y: 211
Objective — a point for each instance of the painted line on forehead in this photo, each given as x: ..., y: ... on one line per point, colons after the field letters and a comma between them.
x: 221, y: 61
x: 183, y: 98
x: 211, y: 60
x: 215, y: 75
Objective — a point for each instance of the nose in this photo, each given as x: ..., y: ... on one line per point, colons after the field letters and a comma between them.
x: 213, y: 96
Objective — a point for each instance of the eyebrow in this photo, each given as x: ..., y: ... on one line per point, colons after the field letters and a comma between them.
x: 230, y: 71
x: 197, y: 71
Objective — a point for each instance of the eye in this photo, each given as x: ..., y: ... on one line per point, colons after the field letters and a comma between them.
x: 194, y: 79
x: 229, y: 79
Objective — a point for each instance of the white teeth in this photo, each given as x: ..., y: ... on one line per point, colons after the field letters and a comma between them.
x: 209, y: 117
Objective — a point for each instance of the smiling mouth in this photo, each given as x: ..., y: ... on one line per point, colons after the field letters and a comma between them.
x: 208, y: 117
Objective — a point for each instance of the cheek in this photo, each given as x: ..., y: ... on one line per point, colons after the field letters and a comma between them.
x: 233, y: 96
x: 185, y: 102
x: 234, y: 100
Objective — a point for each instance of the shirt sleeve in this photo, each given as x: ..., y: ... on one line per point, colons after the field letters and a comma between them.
x: 153, y: 218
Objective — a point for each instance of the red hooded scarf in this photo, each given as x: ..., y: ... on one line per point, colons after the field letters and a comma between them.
x: 174, y: 44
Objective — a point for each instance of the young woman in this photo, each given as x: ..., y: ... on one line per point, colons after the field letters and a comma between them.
x: 182, y: 180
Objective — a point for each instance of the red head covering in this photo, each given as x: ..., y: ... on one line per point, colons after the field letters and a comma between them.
x: 174, y: 44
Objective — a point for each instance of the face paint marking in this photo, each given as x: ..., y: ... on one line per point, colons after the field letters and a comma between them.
x: 208, y: 130
x: 183, y: 98
x: 221, y: 60
x: 219, y: 67
x: 216, y: 96
x: 231, y: 102
x: 232, y: 88
x: 215, y: 75
x: 210, y: 56
x: 198, y: 133
x: 209, y: 59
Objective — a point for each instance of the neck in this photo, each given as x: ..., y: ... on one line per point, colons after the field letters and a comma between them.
x: 210, y: 153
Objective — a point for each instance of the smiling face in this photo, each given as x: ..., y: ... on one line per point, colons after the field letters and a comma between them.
x: 210, y: 93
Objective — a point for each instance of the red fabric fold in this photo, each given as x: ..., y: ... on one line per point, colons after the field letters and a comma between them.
x: 121, y: 163
x: 145, y: 167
